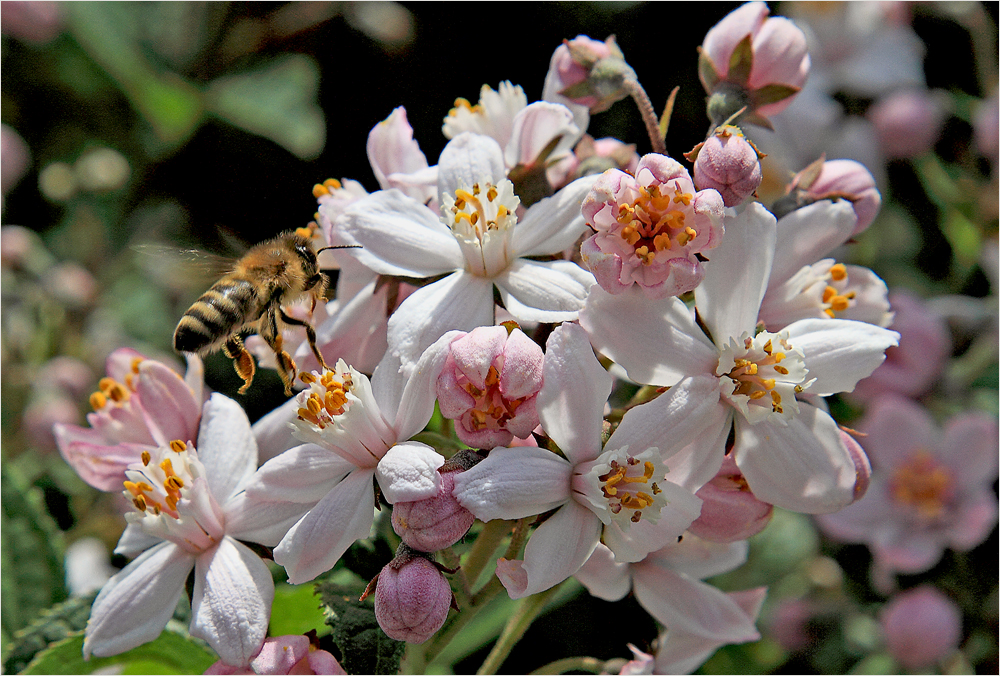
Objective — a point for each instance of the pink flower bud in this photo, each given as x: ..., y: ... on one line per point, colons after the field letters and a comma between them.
x: 43, y: 413
x: 437, y: 522
x: 489, y: 384
x: 729, y: 510
x: 842, y: 179
x: 588, y: 73
x: 922, y: 626
x: 862, y: 466
x: 572, y: 72
x: 292, y: 654
x: 412, y: 598
x: 908, y: 123
x: 69, y: 374
x: 729, y: 164
x: 986, y: 128
x: 35, y: 22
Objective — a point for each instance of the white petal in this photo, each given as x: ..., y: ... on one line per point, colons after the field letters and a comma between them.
x: 808, y: 234
x: 839, y: 352
x: 419, y: 391
x: 469, y: 159
x: 700, y: 558
x: 802, y: 466
x: 697, y: 463
x: 254, y: 520
x: 641, y: 538
x: 555, y: 223
x: 134, y: 605
x: 736, y: 275
x: 318, y: 541
x: 302, y: 474
x: 555, y: 551
x: 535, y: 126
x: 393, y: 150
x: 399, y: 236
x: 605, y: 577
x: 574, y: 392
x: 134, y: 541
x: 513, y: 483
x: 544, y: 291
x: 232, y: 599
x: 655, y: 340
x: 226, y: 446
x: 408, y: 472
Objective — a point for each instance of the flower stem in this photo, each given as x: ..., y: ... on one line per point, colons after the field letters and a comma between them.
x: 481, y: 552
x: 645, y: 107
x: 591, y: 664
x: 516, y: 626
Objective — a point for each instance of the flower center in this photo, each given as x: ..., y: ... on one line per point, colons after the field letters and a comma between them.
x: 628, y: 486
x: 327, y: 396
x: 113, y: 392
x: 655, y: 222
x: 491, y: 409
x: 482, y: 220
x: 837, y: 296
x: 162, y: 488
x: 760, y: 376
x: 924, y: 484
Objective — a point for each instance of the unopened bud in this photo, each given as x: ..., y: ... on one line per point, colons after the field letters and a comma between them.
x: 834, y: 179
x: 412, y: 597
x: 908, y: 123
x: 728, y: 163
x: 729, y: 510
x: 439, y: 521
x: 589, y: 73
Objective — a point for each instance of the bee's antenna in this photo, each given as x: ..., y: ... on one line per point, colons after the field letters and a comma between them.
x: 340, y: 246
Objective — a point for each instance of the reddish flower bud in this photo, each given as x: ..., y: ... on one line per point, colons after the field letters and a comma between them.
x: 834, y: 179
x: 412, y: 597
x: 437, y: 522
x: 729, y: 510
x: 589, y: 73
x: 728, y: 163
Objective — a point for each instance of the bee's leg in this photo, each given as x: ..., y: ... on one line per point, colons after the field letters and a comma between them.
x: 318, y: 284
x: 310, y: 335
x: 242, y: 361
x: 272, y: 336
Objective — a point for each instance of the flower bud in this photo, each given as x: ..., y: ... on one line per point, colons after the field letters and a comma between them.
x: 922, y: 626
x: 908, y: 123
x: 589, y: 73
x: 489, y: 384
x: 834, y: 179
x: 728, y: 163
x: 729, y: 510
x: 412, y: 597
x: 291, y: 654
x: 440, y: 521
x: 862, y: 466
x: 986, y: 128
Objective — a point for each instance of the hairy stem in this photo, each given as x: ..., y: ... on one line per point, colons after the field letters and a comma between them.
x: 591, y: 664
x: 645, y: 107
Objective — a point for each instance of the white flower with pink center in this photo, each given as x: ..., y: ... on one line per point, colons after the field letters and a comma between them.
x: 489, y: 385
x: 651, y: 228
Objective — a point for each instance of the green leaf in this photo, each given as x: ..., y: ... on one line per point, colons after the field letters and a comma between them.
x: 364, y: 646
x: 964, y: 237
x: 277, y: 102
x: 741, y: 62
x: 706, y: 71
x: 170, y: 653
x: 51, y: 625
x: 296, y: 610
x: 772, y: 93
x: 32, y: 554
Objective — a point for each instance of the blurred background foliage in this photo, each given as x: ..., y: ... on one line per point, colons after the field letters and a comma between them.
x: 205, y: 125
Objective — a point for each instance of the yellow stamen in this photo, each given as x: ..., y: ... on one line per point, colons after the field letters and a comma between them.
x: 178, y: 446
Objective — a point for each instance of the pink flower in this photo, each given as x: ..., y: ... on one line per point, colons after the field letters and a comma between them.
x: 912, y: 367
x: 922, y: 626
x: 489, y: 385
x: 729, y: 509
x: 728, y: 164
x: 292, y: 654
x: 140, y: 405
x: 35, y: 22
x: 908, y: 122
x: 930, y: 487
x: 651, y: 228
x: 412, y: 597
x: 771, y: 62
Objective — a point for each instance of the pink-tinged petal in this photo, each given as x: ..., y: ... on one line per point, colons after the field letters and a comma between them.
x: 861, y: 520
x: 226, y: 447
x: 908, y: 551
x: 645, y: 537
x: 555, y: 223
x: 231, y: 605
x: 416, y: 403
x: 535, y: 126
x: 523, y: 371
x: 974, y: 520
x: 169, y: 407
x: 194, y: 378
x: 839, y: 352
x: 681, y: 415
x: 119, y: 363
x: 895, y: 428
x: 513, y: 483
x: 322, y: 662
x: 697, y: 463
x: 253, y: 520
x: 408, y: 472
x: 737, y: 273
x: 780, y: 55
x: 604, y: 576
x: 134, y: 605
x: 555, y: 551
x: 571, y: 402
x: 469, y: 159
x: 655, y: 340
x: 808, y: 234
x: 392, y: 150
x: 699, y: 558
x: 475, y: 351
x: 682, y: 602
x: 301, y: 474
x: 355, y: 332
x: 273, y: 432
x: 98, y: 464
x: 279, y: 655
x: 135, y: 541
x: 802, y: 466
x: 969, y: 448
x: 544, y: 291
x: 399, y: 236
x: 322, y: 536
x: 722, y: 38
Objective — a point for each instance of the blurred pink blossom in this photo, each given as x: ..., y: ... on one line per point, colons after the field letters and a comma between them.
x: 986, y: 126
x: 14, y: 151
x: 922, y: 626
x: 908, y: 122
x: 38, y: 21
x: 292, y: 654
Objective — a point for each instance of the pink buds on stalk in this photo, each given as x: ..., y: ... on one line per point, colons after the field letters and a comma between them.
x: 589, y: 73
x: 921, y: 626
x: 729, y: 510
x: 440, y: 521
x: 728, y: 163
x: 833, y: 179
x: 412, y: 597
x: 748, y: 59
x: 489, y: 384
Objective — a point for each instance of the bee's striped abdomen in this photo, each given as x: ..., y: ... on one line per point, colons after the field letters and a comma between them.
x: 221, y: 311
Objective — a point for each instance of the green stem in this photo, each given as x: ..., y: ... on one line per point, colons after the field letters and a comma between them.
x: 648, y: 114
x: 591, y: 664
x: 516, y: 626
x: 482, y: 550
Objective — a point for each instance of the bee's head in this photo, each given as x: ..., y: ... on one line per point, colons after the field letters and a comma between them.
x: 303, y: 247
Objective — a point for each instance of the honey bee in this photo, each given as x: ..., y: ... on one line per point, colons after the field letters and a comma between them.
x: 277, y: 272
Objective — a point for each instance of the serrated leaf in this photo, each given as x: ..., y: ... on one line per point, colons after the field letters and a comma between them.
x: 277, y: 102
x: 170, y: 653
x: 362, y: 643
x: 50, y: 626
x: 32, y: 554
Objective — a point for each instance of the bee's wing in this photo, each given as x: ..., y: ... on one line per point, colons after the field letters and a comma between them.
x: 179, y: 268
